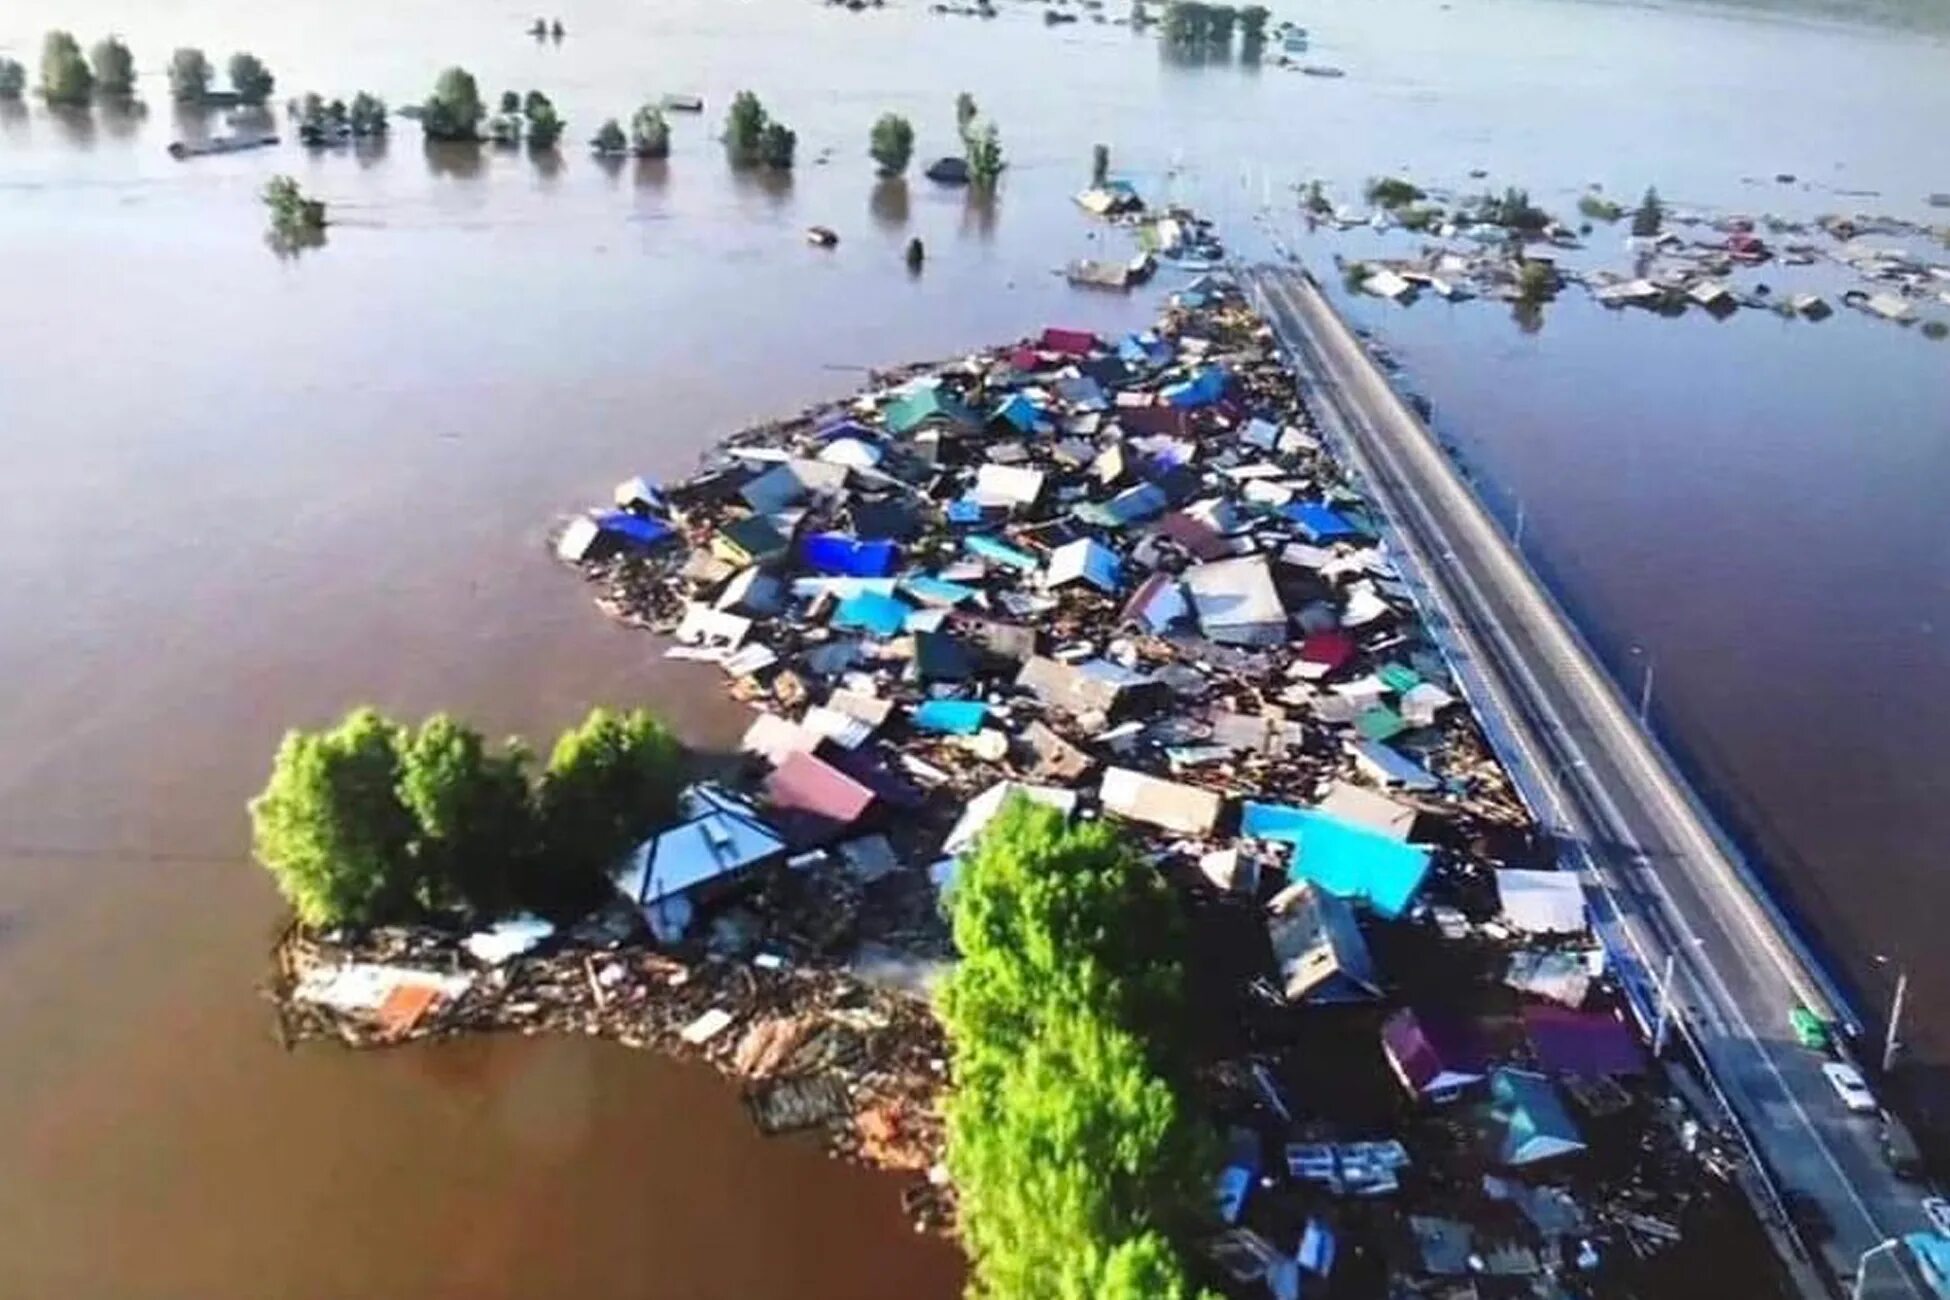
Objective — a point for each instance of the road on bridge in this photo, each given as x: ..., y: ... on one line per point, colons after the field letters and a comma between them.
x: 1661, y: 878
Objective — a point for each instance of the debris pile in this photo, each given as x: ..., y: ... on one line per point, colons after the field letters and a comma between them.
x: 1124, y: 577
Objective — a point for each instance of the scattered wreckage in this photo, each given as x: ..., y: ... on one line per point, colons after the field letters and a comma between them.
x: 1124, y: 577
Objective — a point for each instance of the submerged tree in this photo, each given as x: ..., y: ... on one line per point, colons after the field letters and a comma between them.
x: 1099, y: 164
x: 744, y: 128
x: 1252, y: 24
x: 650, y: 133
x: 249, y: 77
x: 65, y: 75
x: 367, y: 115
x: 13, y: 79
x: 983, y: 151
x: 777, y: 146
x: 291, y: 212
x: 474, y: 822
x: 917, y: 253
x: 114, y: 67
x: 609, y: 139
x: 545, y: 125
x: 965, y: 113
x: 190, y: 75
x: 1649, y: 216
x: 891, y: 143
x: 453, y: 111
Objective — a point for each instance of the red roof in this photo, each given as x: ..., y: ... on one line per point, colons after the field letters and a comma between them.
x: 1195, y: 535
x: 814, y: 799
x: 1075, y: 343
x: 1024, y: 359
x: 1330, y: 648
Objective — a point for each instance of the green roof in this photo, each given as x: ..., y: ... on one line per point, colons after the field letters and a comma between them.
x: 1398, y: 677
x: 916, y: 408
x: 1380, y: 723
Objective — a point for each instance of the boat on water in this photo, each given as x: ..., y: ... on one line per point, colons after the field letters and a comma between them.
x: 684, y: 103
x: 230, y: 144
x: 822, y: 236
x: 1322, y: 70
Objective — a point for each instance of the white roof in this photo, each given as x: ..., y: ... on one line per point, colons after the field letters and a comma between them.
x: 981, y: 810
x: 1236, y: 600
x: 1541, y: 902
x: 1365, y: 807
x: 721, y: 834
x: 1085, y: 558
x: 1004, y: 485
x: 1186, y: 809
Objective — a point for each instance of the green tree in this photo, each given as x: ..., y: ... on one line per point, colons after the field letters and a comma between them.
x: 249, y: 77
x: 114, y: 67
x: 1599, y: 208
x: 330, y: 825
x: 291, y: 212
x: 650, y: 133
x: 1252, y: 24
x: 1068, y: 1137
x: 453, y: 111
x: 190, y: 74
x: 609, y: 783
x: 474, y: 826
x: 1649, y: 216
x: 917, y: 253
x: 1218, y: 24
x: 777, y: 146
x: 1536, y: 282
x: 310, y: 109
x: 965, y: 113
x: 1099, y: 164
x: 367, y: 115
x: 65, y: 75
x: 1393, y: 192
x: 545, y: 125
x: 13, y: 79
x: 1513, y: 211
x: 510, y: 102
x: 983, y: 151
x: 891, y: 143
x: 744, y: 128
x: 609, y: 138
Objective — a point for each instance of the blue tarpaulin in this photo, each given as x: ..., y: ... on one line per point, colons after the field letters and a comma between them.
x: 635, y: 528
x: 849, y: 556
x: 1321, y: 523
x: 956, y: 717
x: 1203, y: 389
x: 1019, y: 411
x: 848, y: 429
x: 869, y: 611
x: 1342, y: 858
x: 1144, y: 349
x: 1000, y: 552
x: 931, y: 590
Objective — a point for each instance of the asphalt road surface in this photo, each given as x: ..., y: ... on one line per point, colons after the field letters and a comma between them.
x: 1663, y: 883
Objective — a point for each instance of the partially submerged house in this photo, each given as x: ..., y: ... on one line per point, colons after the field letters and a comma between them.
x: 718, y: 841
x: 1433, y: 1055
x: 1318, y: 949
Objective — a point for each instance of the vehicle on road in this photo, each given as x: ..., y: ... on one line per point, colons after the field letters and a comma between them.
x: 1849, y: 1086
x: 1810, y: 1030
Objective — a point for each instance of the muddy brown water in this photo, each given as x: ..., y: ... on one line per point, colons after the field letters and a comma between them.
x: 239, y: 493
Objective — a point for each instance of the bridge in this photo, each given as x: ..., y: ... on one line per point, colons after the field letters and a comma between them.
x: 1711, y: 965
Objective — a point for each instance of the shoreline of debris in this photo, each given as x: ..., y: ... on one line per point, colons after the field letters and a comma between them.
x: 814, y: 1047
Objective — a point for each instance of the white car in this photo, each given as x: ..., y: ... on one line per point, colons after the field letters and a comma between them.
x: 1847, y: 1081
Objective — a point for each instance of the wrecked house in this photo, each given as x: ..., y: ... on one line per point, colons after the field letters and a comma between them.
x: 1527, y: 1123
x: 1434, y: 1056
x: 1318, y: 949
x: 718, y: 841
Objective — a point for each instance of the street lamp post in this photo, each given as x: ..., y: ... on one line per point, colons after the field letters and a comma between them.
x: 1862, y: 1265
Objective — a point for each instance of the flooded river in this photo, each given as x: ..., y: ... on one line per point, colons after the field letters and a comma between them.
x: 239, y: 493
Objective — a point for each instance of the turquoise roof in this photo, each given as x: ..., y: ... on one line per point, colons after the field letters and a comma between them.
x: 1531, y: 1122
x: 1342, y: 858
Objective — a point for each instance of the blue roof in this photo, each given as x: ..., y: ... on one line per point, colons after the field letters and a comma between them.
x: 1341, y: 857
x: 1082, y: 392
x: 1321, y: 523
x: 848, y: 556
x: 1932, y: 1254
x: 936, y: 591
x: 872, y: 612
x: 635, y: 528
x: 847, y: 428
x: 1203, y: 389
x: 1019, y: 411
x: 1395, y: 766
x: 1535, y: 1125
x: 1132, y: 505
x: 993, y: 548
x: 956, y: 717
x: 1144, y: 349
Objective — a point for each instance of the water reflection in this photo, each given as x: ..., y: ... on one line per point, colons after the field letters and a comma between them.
x: 775, y: 183
x: 611, y: 165
x: 888, y: 202
x: 653, y: 173
x: 548, y: 164
x: 1179, y: 54
x: 369, y: 151
x: 458, y: 159
x: 77, y: 125
x: 1529, y: 316
x: 192, y: 121
x: 978, y: 212
x: 121, y: 119
x: 13, y: 115
x: 291, y: 244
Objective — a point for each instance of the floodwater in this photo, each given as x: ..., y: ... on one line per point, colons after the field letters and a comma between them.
x: 240, y: 492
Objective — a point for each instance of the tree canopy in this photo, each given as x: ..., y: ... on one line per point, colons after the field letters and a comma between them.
x: 453, y: 111
x: 1649, y: 215
x: 1099, y: 164
x: 13, y: 79
x: 609, y: 138
x: 891, y: 143
x: 545, y: 125
x: 367, y: 115
x: 1067, y: 1133
x: 650, y: 133
x: 114, y: 67
x: 190, y: 75
x: 966, y: 112
x: 65, y: 75
x: 373, y: 822
x: 982, y: 148
x: 249, y: 77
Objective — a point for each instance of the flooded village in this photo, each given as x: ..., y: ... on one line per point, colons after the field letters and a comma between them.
x: 1091, y: 863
